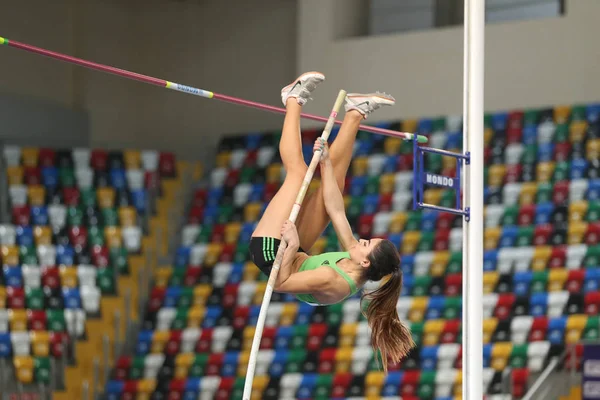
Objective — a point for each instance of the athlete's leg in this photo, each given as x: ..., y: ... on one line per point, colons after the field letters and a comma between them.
x: 313, y: 218
x: 290, y: 148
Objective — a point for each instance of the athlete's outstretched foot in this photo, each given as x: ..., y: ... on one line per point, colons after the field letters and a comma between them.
x: 302, y: 87
x: 367, y: 103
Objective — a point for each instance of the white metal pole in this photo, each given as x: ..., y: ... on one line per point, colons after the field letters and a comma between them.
x: 262, y: 315
x: 472, y: 319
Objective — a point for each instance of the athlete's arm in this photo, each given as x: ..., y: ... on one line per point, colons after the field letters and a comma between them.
x: 290, y: 235
x: 320, y: 280
x: 334, y: 202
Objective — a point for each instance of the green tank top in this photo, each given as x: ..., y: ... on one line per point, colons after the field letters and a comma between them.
x: 328, y: 259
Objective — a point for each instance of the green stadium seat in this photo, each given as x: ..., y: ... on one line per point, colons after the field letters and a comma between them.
x: 74, y: 216
x: 578, y: 113
x: 335, y: 314
x: 96, y: 236
x: 198, y: 367
x: 241, y: 252
x: 426, y: 242
x: 561, y: 134
x: 295, y: 360
x: 110, y: 217
x: 452, y: 308
x: 448, y: 198
x: 561, y: 171
x: 539, y: 282
x: 34, y: 298
x: 525, y: 236
x: 88, y: 197
x: 41, y: 370
x: 454, y: 263
x: 136, y: 370
x: 105, y: 280
x: 511, y: 214
x: 205, y: 233
x: 66, y: 177
x: 530, y: 117
x: 299, y: 337
x: 421, y: 286
x: 439, y: 124
x: 518, y: 356
x: 591, y: 332
x: 119, y: 259
x: 544, y: 193
x: 372, y: 186
x: 181, y: 318
x: 225, y: 212
x: 56, y: 320
x: 187, y: 295
x: 593, y: 212
x: 177, y: 277
x: 27, y: 255
x: 247, y: 175
x: 416, y: 330
x: 426, y: 388
x: 413, y: 222
x: 323, y: 387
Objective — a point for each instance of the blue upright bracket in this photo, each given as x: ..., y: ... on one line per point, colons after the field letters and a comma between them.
x: 422, y: 178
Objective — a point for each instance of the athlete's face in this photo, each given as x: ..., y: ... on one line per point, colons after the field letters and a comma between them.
x: 366, y: 246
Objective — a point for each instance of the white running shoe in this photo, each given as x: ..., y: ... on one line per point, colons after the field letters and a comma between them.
x: 302, y: 87
x: 367, y: 103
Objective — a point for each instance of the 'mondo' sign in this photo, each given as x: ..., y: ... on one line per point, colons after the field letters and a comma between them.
x: 439, y: 180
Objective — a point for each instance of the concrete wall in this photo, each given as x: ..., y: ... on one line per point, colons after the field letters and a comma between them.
x: 528, y: 63
x: 242, y: 49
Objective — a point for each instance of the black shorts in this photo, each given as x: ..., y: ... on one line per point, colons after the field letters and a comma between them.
x: 263, y: 251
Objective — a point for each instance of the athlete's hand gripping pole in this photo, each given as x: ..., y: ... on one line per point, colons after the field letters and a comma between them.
x: 260, y: 324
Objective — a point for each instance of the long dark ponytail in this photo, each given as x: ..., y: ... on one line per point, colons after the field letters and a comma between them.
x: 389, y: 335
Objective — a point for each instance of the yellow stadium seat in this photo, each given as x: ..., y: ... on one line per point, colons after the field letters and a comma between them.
x: 432, y: 330
x: 18, y: 320
x: 348, y: 334
x: 433, y: 196
x: 450, y: 162
x: 106, y: 197
x: 162, y: 276
x: 274, y: 173
x: 260, y: 382
x: 496, y: 174
x: 183, y: 361
x: 387, y: 184
x: 29, y: 156
x: 528, y: 193
x: 319, y: 246
x: 488, y: 135
x: 248, y: 337
x: 557, y: 277
x: 410, y: 242
x: 439, y: 263
x: 213, y: 251
x: 541, y: 256
x: 374, y: 382
x: 259, y: 293
x: 578, y: 210
x: 252, y: 211
x: 223, y: 159
x: 490, y: 280
x: 113, y: 237
x: 391, y: 145
x: 232, y: 232
x: 42, y: 235
x: 410, y: 125
x: 196, y: 316
x: 201, y: 293
x: 576, y: 232
x: 491, y: 237
x: 417, y: 309
x: 500, y: 354
x: 68, y: 277
x: 15, y: 175
x: 243, y: 363
x: 592, y: 149
x: 145, y: 388
x: 577, y: 131
x: 40, y: 343
x: 288, y: 314
x: 251, y: 272
x: 127, y: 216
x: 575, y: 326
x: 545, y: 170
x: 561, y: 114
x: 36, y: 195
x: 24, y: 368
x: 10, y: 255
x: 359, y: 166
x: 132, y: 159
x: 489, y: 327
x: 343, y: 359
x: 397, y: 222
x: 159, y: 340
x: 2, y: 297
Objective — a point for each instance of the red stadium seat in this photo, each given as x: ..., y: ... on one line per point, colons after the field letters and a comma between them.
x: 441, y: 240
x: 196, y: 214
x: 71, y: 196
x: 151, y: 180
x: 453, y: 284
x: 385, y: 202
x: 166, y: 165
x: 99, y: 160
x: 176, y: 389
x: 225, y: 388
x: 268, y: 338
x: 33, y: 176
x: 37, y: 320
x: 405, y: 162
x: 575, y: 280
x: 410, y: 383
x: 230, y: 295
x: 450, y: 331
x: 173, y: 344
x: 122, y: 367
x: 514, y: 134
x: 205, y: 341
x: 538, y: 330
x: 218, y: 234
x: 100, y: 256
x: 519, y: 378
x: 270, y: 190
x: 157, y: 296
x: 15, y: 297
x: 340, y: 384
x: 592, y: 303
x: 574, y: 362
x: 504, y: 305
x: 562, y: 151
x: 526, y: 215
x: 51, y: 277
x: 130, y: 389
x: 78, y: 236
x: 326, y: 360
x: 445, y: 221
x: 558, y: 257
x: 592, y: 236
x: 240, y: 317
x: 46, y: 158
x: 21, y: 215
x: 192, y: 273
x: 316, y: 333
x: 541, y: 234
x: 58, y: 340
x: 513, y: 173
x: 215, y: 363
x: 233, y: 177
x: 560, y: 194
x: 365, y: 223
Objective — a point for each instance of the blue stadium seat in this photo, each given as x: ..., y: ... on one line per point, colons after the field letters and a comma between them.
x: 24, y: 236
x: 138, y: 199
x: 253, y: 315
x: 144, y: 342
x: 363, y: 148
x: 408, y: 281
x: 390, y: 164
x: 435, y: 308
x: 211, y: 316
x: 13, y: 276
x: 277, y: 367
x: 594, y: 189
x: 509, y: 236
x: 172, y: 295
x: 454, y: 140
x: 429, y: 356
x: 182, y: 256
x: 592, y: 277
x: 257, y: 192
x: 429, y: 220
x: 556, y: 330
x: 407, y: 263
x: 499, y: 121
x: 307, y: 386
x: 392, y: 382
x: 593, y: 113
x: 283, y: 337
x: 50, y: 177
x: 370, y: 204
x: 72, y: 298
x: 246, y: 231
x: 192, y: 388
x: 237, y: 273
x: 253, y: 141
x: 357, y: 185
x: 304, y: 313
x: 39, y: 215
x: 490, y: 260
x: 545, y: 152
x: 425, y: 126
x: 529, y: 134
x: 5, y: 345
x: 230, y: 363
x: 114, y: 389
x: 578, y: 168
x: 543, y: 213
x: 538, y: 304
x: 65, y: 255
x: 213, y: 197
x: 396, y: 239
x: 487, y: 355
x: 521, y: 282
x: 118, y: 178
